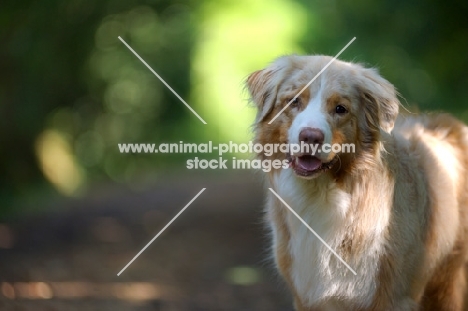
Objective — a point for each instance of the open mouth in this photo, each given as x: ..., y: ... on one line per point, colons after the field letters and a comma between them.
x: 309, y: 165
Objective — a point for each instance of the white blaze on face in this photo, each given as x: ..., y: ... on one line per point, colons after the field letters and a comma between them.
x: 313, y: 116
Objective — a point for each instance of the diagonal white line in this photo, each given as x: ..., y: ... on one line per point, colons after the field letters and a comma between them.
x: 313, y: 79
x: 312, y: 230
x: 160, y: 232
x: 162, y: 80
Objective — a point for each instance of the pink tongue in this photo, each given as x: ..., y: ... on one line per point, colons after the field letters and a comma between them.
x: 309, y: 163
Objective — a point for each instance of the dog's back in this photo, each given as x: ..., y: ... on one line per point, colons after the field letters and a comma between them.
x: 438, y: 144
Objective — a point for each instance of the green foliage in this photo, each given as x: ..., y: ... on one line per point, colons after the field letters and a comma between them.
x: 420, y: 47
x: 65, y: 70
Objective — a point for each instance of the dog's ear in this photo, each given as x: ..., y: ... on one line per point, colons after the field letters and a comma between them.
x: 262, y: 90
x: 379, y: 99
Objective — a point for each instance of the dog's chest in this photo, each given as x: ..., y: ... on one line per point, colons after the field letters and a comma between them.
x: 317, y: 274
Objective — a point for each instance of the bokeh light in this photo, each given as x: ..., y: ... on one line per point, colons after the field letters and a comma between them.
x: 235, y: 39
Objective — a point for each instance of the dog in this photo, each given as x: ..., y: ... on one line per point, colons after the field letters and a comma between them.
x: 395, y: 210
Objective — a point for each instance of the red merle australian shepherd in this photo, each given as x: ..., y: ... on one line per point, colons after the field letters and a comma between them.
x: 395, y: 210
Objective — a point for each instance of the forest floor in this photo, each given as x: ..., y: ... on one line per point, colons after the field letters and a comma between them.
x: 213, y: 257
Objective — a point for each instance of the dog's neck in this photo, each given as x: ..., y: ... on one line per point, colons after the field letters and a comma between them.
x: 371, y: 161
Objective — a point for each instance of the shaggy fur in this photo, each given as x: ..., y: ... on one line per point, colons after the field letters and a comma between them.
x: 396, y: 210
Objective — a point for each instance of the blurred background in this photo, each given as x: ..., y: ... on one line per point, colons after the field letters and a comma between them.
x: 74, y: 211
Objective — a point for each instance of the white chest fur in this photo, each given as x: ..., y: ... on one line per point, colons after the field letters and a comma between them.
x: 318, y: 276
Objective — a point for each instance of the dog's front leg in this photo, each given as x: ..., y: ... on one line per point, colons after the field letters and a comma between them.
x: 276, y: 217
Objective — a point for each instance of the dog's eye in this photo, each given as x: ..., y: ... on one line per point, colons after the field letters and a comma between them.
x: 340, y: 109
x: 295, y: 102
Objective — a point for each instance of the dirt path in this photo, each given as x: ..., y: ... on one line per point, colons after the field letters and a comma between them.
x: 211, y: 258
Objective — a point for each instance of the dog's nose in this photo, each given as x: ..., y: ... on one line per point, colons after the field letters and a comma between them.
x: 311, y: 135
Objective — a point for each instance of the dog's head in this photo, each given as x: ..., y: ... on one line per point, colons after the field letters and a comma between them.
x: 346, y: 104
